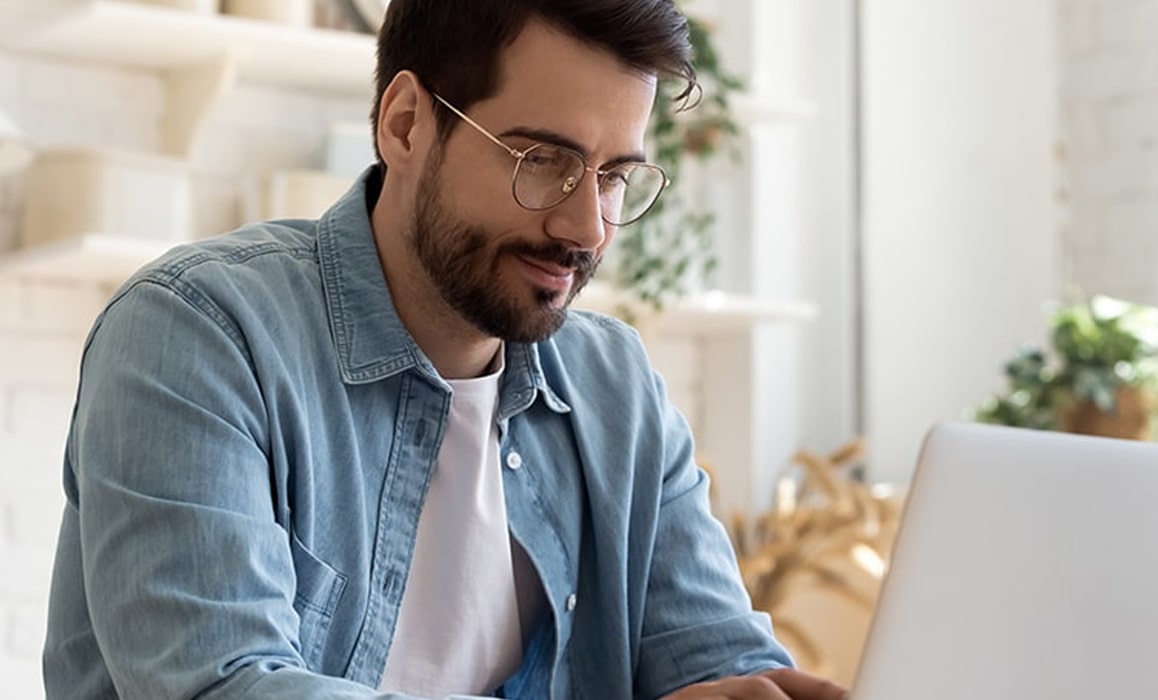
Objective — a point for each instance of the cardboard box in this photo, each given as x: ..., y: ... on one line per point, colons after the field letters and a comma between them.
x: 293, y: 194
x: 74, y: 192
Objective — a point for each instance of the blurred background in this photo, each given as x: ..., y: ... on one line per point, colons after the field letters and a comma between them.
x: 896, y: 195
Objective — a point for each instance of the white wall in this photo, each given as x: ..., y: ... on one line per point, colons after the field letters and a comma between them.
x: 1109, y: 100
x: 829, y: 365
x: 41, y: 329
x: 960, y: 225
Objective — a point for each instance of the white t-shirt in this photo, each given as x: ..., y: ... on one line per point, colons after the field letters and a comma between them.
x: 458, y: 630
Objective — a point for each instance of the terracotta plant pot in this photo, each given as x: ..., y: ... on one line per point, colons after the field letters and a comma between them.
x: 1132, y: 420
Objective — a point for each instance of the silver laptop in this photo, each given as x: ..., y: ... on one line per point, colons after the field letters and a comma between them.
x: 1026, y: 568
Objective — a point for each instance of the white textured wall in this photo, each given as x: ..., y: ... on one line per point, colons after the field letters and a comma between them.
x: 960, y: 221
x: 41, y: 330
x: 1108, y: 52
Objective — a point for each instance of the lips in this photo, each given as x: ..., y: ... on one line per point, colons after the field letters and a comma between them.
x: 551, y: 253
x: 546, y: 275
x: 550, y: 268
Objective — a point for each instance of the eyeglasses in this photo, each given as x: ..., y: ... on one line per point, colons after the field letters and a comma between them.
x: 546, y: 174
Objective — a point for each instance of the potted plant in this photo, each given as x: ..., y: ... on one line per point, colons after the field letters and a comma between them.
x: 1102, y: 378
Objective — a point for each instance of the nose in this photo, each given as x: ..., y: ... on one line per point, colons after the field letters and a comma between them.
x: 578, y: 220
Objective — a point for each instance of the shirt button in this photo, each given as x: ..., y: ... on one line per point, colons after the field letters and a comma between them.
x: 514, y: 460
x: 572, y: 600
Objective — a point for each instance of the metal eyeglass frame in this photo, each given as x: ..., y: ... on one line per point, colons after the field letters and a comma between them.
x: 570, y: 184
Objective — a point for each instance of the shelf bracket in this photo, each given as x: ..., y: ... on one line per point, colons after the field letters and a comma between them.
x: 191, y: 93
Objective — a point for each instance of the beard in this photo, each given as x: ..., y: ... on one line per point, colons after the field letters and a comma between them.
x: 464, y: 265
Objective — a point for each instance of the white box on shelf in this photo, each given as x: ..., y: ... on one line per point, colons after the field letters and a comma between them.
x: 295, y: 13
x: 293, y: 194
x: 203, y: 7
x: 74, y: 192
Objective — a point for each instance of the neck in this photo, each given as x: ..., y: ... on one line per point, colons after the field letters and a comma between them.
x: 456, y: 347
x: 455, y: 357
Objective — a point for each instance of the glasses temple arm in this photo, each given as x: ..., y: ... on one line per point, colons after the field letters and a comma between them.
x: 494, y: 139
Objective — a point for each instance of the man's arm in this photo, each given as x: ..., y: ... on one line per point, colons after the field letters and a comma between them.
x: 188, y: 579
x: 698, y: 621
x: 699, y: 614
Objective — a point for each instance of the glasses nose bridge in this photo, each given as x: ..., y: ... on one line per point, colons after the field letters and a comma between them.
x: 598, y: 173
x: 572, y: 184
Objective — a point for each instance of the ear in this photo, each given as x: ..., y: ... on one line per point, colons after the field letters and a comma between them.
x: 405, y: 121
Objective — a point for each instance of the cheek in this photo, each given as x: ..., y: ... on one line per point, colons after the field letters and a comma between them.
x: 482, y: 205
x: 476, y: 193
x: 478, y: 183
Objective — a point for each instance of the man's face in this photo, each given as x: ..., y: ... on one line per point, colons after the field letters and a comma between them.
x: 510, y: 272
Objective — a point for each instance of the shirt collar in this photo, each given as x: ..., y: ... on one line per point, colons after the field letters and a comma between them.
x: 370, y: 341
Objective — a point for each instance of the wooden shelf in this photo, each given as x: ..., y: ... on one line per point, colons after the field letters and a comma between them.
x: 133, y: 34
x: 709, y: 313
x: 97, y: 258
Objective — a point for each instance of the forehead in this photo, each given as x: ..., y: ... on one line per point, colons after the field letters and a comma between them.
x: 549, y: 79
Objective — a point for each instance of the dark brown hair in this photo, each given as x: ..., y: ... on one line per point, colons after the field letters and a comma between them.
x: 453, y: 45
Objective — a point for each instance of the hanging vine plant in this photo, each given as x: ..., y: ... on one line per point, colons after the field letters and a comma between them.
x: 657, y: 258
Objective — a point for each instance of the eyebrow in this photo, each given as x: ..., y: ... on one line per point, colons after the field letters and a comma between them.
x: 557, y: 139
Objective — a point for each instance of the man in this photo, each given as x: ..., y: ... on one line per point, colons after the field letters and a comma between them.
x: 375, y: 454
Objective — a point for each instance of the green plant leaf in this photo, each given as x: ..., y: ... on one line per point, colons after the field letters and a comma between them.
x: 1097, y: 346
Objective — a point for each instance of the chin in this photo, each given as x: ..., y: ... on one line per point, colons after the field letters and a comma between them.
x: 545, y: 315
x: 553, y: 298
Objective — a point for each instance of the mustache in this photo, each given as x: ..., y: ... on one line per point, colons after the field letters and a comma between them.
x: 582, y: 261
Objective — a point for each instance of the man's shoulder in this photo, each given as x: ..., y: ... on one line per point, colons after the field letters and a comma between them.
x: 257, y: 266
x: 268, y: 241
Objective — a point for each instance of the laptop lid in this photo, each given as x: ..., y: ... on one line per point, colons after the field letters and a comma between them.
x: 1026, y: 567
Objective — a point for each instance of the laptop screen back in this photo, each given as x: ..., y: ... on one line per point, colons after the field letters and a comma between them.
x: 1026, y: 567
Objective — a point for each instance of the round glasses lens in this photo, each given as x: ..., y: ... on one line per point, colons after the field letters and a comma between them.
x: 627, y: 191
x: 546, y: 175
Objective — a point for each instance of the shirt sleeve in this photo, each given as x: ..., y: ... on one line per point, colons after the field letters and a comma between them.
x: 698, y: 620
x: 188, y: 578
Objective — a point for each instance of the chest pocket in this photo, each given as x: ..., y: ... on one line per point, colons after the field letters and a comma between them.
x: 319, y: 588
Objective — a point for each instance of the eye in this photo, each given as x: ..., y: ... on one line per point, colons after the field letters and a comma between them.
x: 547, y: 159
x: 614, y: 179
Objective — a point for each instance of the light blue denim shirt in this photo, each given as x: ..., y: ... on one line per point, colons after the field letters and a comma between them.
x: 252, y: 441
